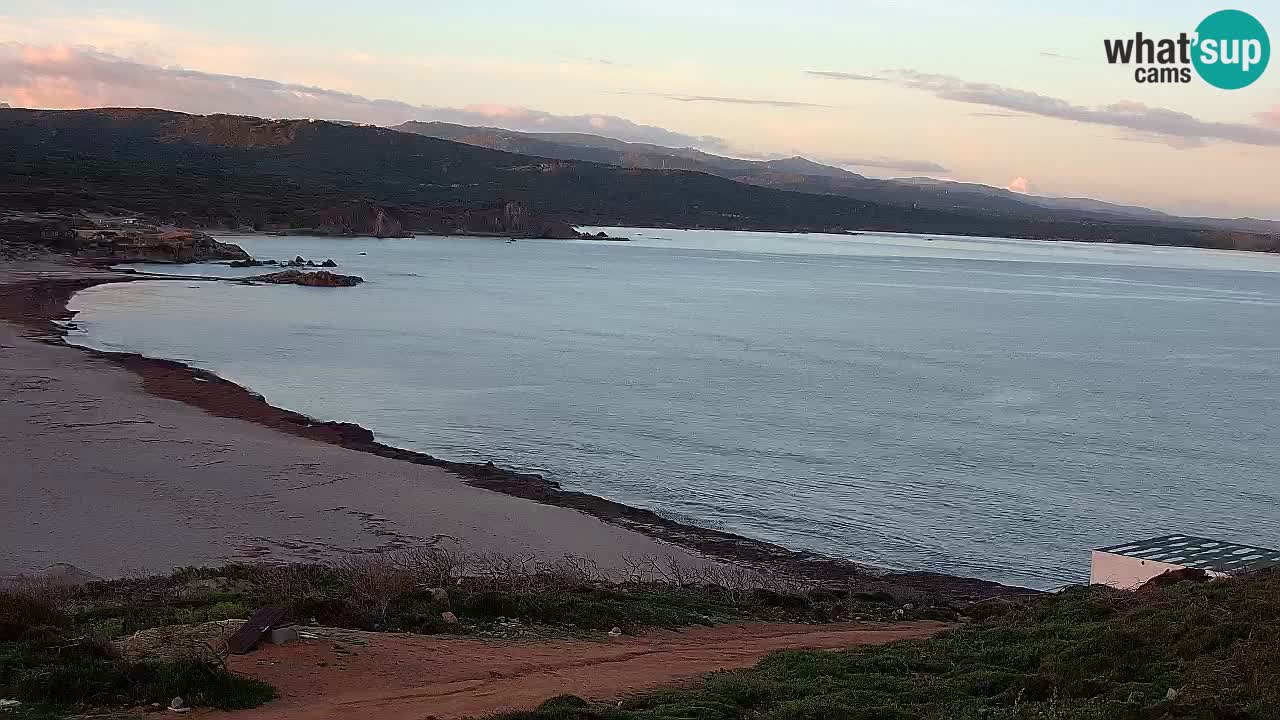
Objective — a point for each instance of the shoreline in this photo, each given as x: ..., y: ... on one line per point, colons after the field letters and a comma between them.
x: 38, y: 305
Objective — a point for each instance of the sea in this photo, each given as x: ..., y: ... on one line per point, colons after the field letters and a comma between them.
x: 984, y: 407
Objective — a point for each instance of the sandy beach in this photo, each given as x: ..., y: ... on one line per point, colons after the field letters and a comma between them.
x: 114, y: 480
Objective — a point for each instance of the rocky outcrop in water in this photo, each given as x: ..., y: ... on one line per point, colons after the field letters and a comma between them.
x: 171, y: 245
x: 116, y: 239
x: 319, y: 278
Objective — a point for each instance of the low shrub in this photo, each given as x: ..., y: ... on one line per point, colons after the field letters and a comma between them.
x: 1206, y: 651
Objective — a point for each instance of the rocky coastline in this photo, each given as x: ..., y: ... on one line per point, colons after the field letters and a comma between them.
x: 115, y: 239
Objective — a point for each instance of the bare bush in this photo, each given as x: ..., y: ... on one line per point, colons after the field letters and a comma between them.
x: 375, y: 582
x: 291, y: 581
x: 431, y: 567
x: 574, y: 570
x: 55, y: 596
x: 509, y: 573
x: 738, y: 581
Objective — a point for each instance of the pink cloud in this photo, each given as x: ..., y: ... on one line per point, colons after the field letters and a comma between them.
x: 1270, y: 118
x: 1021, y: 185
x: 78, y: 77
x: 1183, y: 129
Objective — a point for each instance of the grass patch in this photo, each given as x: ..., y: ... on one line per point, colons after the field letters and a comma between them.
x: 1206, y: 651
x: 55, y: 665
x: 57, y: 649
x: 408, y: 591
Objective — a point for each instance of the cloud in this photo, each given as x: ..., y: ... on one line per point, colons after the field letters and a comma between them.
x: 733, y: 100
x: 927, y: 166
x: 1180, y: 128
x: 996, y: 114
x: 1270, y: 118
x: 1021, y: 186
x: 1059, y: 56
x: 836, y: 75
x: 79, y: 77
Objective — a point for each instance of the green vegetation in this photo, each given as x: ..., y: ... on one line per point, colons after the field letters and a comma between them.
x: 61, y: 649
x: 55, y: 664
x: 229, y: 171
x: 1208, y: 651
x: 1189, y: 650
x: 410, y: 590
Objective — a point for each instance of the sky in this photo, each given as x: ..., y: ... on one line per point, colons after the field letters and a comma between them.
x: 1008, y: 93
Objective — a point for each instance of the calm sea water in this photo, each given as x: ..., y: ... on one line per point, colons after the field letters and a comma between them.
x: 985, y: 407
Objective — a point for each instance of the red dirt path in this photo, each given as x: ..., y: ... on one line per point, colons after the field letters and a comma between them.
x: 413, y: 677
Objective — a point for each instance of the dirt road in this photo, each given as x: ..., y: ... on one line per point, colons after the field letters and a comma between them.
x: 408, y: 677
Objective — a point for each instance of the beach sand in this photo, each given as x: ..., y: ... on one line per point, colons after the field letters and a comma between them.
x: 103, y: 475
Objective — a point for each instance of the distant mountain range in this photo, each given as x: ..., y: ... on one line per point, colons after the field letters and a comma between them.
x: 803, y: 175
x: 226, y: 171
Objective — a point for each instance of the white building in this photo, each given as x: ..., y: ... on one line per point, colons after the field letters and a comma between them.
x: 1131, y: 565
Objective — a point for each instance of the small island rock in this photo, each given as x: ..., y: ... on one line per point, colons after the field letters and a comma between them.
x: 320, y: 278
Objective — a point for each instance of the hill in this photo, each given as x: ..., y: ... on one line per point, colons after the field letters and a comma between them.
x: 804, y: 175
x: 244, y: 172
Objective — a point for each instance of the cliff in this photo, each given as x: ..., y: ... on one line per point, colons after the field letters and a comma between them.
x: 509, y: 219
x: 363, y: 219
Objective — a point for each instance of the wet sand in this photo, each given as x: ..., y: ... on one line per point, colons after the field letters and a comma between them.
x: 101, y: 474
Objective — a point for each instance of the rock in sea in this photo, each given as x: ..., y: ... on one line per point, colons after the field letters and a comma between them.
x: 319, y: 278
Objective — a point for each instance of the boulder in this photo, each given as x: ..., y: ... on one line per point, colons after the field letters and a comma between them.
x: 282, y: 635
x: 1173, y: 577
x: 120, y: 242
x: 329, y: 263
x: 320, y: 278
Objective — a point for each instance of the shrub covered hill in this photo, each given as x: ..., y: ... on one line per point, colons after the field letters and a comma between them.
x: 237, y: 172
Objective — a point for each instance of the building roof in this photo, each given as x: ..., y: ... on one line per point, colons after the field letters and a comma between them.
x: 1198, y: 552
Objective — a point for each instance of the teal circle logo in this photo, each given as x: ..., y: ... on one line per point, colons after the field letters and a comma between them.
x: 1232, y: 49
